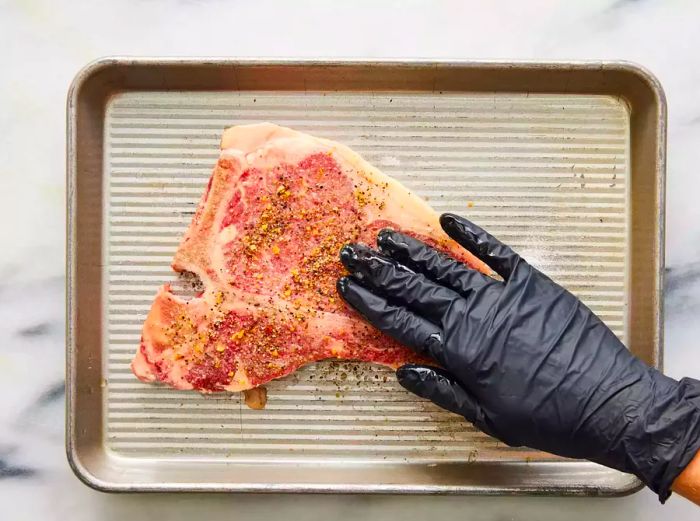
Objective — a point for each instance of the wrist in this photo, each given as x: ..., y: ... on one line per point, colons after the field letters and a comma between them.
x: 687, y: 484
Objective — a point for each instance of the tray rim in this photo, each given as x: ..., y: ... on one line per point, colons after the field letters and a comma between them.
x: 93, y: 68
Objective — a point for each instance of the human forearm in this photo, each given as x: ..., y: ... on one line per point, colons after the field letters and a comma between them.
x: 687, y: 484
x: 523, y: 359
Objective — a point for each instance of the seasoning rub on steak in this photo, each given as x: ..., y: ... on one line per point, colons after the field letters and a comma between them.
x: 264, y: 241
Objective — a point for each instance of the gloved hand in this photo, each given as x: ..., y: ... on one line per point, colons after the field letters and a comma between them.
x: 522, y: 359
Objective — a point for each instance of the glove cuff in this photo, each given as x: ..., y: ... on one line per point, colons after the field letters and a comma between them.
x: 665, y: 436
x: 654, y: 429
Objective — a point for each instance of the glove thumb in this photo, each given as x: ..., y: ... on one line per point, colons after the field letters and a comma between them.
x: 500, y: 258
x: 441, y: 388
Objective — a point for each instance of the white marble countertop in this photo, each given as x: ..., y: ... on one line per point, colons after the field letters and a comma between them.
x: 44, y: 43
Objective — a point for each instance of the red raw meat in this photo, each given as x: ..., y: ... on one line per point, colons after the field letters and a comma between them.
x: 264, y: 242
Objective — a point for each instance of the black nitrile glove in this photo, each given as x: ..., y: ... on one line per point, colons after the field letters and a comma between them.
x: 524, y: 360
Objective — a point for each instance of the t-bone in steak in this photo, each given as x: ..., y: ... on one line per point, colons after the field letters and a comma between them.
x: 264, y: 241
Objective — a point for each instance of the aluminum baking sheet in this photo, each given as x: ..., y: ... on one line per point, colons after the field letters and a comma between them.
x: 550, y: 173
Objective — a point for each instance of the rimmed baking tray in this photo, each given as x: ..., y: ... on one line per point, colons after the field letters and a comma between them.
x: 565, y: 161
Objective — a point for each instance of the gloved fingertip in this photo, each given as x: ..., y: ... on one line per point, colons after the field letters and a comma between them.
x: 384, y: 237
x: 351, y: 290
x: 448, y: 219
x: 349, y: 256
x: 393, y: 244
x: 342, y: 285
x: 454, y: 224
x: 439, y: 387
x: 346, y: 251
x: 412, y: 377
x: 405, y: 372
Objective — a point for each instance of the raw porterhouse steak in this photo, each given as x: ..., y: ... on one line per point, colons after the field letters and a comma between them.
x: 264, y: 241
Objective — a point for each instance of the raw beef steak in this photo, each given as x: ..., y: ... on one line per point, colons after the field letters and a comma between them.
x: 264, y: 241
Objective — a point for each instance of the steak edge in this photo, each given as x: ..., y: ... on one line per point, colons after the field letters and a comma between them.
x: 264, y: 242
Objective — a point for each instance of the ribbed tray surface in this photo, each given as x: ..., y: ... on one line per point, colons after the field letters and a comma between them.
x: 545, y: 173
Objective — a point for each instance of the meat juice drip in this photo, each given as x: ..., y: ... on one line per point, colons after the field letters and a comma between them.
x: 256, y: 398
